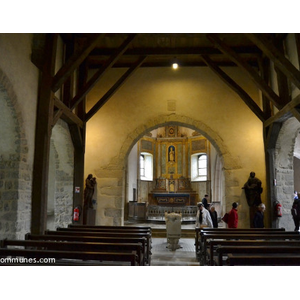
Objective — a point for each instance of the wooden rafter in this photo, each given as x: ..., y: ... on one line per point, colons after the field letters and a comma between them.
x: 235, y: 87
x: 109, y: 63
x: 67, y: 114
x: 114, y: 88
x: 277, y: 57
x: 264, y: 65
x: 258, y: 81
x: 284, y: 113
x: 73, y: 62
x: 271, y: 134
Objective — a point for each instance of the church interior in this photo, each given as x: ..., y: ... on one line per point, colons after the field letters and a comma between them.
x: 116, y: 130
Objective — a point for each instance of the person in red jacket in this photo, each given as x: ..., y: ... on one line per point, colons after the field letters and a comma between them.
x: 233, y: 216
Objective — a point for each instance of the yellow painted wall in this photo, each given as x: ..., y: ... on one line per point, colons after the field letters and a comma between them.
x: 202, y: 101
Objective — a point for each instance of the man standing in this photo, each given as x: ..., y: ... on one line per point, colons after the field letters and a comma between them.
x: 258, y: 220
x: 203, y: 218
x: 204, y: 201
x: 296, y: 212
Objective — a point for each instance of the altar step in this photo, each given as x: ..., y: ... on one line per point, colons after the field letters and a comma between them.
x: 162, y: 233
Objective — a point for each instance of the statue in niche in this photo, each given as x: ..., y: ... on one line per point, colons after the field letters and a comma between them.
x: 171, y: 154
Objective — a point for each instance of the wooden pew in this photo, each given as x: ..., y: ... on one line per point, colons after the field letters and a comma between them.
x: 199, y: 240
x: 284, y: 235
x: 251, y: 250
x: 94, y: 239
x: 77, y: 246
x: 61, y: 256
x: 125, y: 234
x: 264, y: 260
x: 108, y: 227
x: 214, y: 244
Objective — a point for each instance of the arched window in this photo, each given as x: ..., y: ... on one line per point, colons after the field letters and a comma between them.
x: 199, y: 167
x: 146, y: 166
x: 202, y: 165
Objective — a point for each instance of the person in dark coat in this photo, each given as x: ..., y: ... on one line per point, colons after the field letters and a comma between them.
x: 214, y: 216
x: 204, y: 201
x: 258, y: 220
x: 296, y: 211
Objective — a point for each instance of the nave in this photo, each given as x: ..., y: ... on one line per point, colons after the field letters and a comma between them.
x: 183, y: 256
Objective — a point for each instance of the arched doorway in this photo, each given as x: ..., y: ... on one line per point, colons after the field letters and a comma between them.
x: 284, y: 163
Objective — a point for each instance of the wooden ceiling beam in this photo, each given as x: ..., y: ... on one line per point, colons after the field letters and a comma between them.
x: 258, y: 81
x: 66, y: 113
x: 96, y: 77
x: 271, y: 134
x: 73, y: 62
x: 114, y: 88
x: 277, y: 57
x: 284, y: 113
x: 236, y: 88
x: 158, y: 51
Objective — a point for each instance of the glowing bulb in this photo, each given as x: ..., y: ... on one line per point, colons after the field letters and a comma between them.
x: 175, y: 66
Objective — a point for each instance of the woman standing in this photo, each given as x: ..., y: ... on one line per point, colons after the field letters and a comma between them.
x: 233, y: 216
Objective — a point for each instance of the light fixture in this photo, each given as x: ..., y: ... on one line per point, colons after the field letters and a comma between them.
x: 175, y: 66
x: 175, y: 63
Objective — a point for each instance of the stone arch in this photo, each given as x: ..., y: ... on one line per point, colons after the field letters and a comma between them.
x: 15, y: 174
x: 284, y: 170
x: 61, y: 169
x: 111, y: 177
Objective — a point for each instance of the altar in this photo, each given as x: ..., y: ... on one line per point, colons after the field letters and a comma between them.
x: 172, y: 199
x: 173, y: 192
x: 172, y: 196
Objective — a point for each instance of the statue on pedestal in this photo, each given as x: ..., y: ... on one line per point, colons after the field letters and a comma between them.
x: 253, y: 192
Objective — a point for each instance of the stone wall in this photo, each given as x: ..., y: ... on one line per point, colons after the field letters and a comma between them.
x: 284, y: 157
x: 62, y: 176
x: 15, y: 173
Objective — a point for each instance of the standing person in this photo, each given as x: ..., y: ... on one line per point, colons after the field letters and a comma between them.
x: 296, y: 212
x: 204, y: 201
x: 203, y: 218
x: 258, y: 220
x: 90, y: 183
x: 233, y: 216
x: 214, y: 216
x: 295, y: 195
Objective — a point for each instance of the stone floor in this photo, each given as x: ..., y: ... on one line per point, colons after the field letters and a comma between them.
x: 184, y: 256
x: 162, y: 256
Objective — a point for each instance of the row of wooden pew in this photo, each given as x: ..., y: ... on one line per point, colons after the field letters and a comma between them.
x: 83, y: 245
x: 263, y: 247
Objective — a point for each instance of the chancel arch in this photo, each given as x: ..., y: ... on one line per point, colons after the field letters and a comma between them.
x: 112, y: 185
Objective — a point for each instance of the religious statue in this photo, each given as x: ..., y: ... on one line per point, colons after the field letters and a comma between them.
x: 90, y: 183
x: 171, y: 154
x: 253, y: 191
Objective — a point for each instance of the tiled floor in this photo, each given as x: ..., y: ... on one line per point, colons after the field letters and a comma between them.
x: 184, y: 256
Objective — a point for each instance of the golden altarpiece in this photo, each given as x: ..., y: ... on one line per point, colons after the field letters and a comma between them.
x: 171, y: 188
